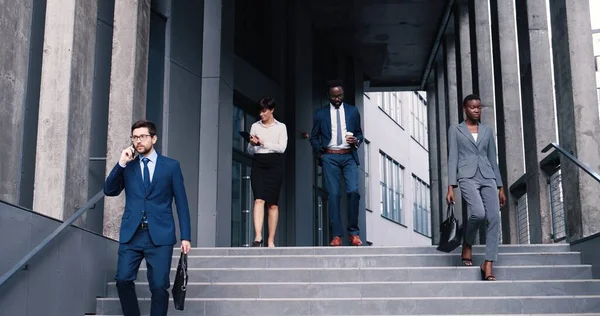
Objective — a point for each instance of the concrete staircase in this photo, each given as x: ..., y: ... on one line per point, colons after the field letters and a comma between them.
x: 532, y: 279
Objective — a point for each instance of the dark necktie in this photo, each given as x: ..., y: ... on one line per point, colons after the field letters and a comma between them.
x: 146, y: 174
x: 339, y: 126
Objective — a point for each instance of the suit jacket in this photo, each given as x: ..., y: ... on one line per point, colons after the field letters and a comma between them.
x: 321, y: 131
x: 465, y: 154
x: 167, y: 183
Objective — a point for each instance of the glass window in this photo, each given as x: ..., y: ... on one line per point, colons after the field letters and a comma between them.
x: 238, y: 125
x: 391, y: 188
x: 378, y: 99
x: 422, y: 207
x: 421, y: 120
x: 382, y: 186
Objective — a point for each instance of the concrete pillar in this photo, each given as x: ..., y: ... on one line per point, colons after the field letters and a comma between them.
x: 539, y: 124
x: 463, y: 52
x: 180, y: 112
x: 442, y: 122
x: 62, y: 159
x: 485, y: 66
x: 464, y: 79
x: 127, y: 96
x: 19, y: 44
x: 577, y: 108
x: 437, y: 205
x: 216, y: 111
x: 508, y: 96
x: 451, y: 80
x: 359, y: 102
x: 454, y: 105
x: 301, y: 78
x: 484, y: 70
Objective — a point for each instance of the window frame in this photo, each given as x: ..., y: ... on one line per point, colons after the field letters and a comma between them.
x: 391, y: 188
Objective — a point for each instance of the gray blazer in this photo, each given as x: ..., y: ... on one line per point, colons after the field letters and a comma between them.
x: 465, y: 154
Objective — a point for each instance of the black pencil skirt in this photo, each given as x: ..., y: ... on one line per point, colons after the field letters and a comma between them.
x: 266, y: 177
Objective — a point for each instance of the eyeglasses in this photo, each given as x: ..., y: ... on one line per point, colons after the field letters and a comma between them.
x: 140, y: 137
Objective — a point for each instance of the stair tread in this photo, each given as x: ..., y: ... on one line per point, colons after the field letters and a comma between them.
x: 533, y: 280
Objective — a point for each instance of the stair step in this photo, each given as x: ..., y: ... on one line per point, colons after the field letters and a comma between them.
x: 241, y: 251
x: 362, y: 290
x: 369, y: 260
x: 381, y: 306
x: 562, y: 314
x: 461, y: 273
x: 532, y: 280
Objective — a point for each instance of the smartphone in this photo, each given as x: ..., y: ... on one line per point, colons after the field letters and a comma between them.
x: 133, y: 152
x: 245, y: 135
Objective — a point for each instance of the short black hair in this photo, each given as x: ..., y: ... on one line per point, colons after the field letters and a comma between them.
x: 470, y: 97
x: 266, y: 103
x: 334, y: 84
x: 144, y: 123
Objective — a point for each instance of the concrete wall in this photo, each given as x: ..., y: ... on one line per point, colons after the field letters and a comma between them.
x: 395, y: 140
x: 63, y: 279
x: 301, y: 75
x: 22, y: 33
x: 180, y: 113
x: 104, y: 33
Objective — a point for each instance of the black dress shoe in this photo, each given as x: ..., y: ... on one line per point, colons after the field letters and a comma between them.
x: 257, y: 243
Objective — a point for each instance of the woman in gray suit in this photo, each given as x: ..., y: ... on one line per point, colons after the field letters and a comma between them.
x: 472, y: 166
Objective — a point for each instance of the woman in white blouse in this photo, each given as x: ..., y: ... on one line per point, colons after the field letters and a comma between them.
x: 268, y: 141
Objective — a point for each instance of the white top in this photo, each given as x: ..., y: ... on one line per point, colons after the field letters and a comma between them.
x: 151, y: 163
x: 474, y: 136
x: 274, y: 138
x: 333, y: 142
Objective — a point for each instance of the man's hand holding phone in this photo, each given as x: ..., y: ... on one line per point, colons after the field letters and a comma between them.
x: 127, y: 155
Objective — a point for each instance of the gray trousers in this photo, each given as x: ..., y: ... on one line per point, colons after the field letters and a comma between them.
x: 481, y: 196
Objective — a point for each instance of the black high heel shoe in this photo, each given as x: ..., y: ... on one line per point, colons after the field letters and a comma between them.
x: 490, y: 277
x: 257, y: 243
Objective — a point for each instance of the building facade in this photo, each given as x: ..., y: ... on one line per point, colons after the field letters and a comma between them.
x: 75, y: 75
x: 397, y: 194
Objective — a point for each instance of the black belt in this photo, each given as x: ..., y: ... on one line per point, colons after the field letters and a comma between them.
x: 143, y: 226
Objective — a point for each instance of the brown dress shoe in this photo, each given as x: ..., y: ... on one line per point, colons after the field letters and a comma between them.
x: 354, y: 240
x: 336, y: 242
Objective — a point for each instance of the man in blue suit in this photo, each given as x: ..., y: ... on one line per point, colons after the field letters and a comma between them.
x: 335, y: 137
x: 151, y: 181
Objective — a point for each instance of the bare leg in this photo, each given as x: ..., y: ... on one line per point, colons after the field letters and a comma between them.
x: 273, y: 218
x: 467, y: 254
x: 259, y: 217
x: 487, y: 273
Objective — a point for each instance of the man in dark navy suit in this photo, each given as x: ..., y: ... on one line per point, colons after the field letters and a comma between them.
x: 151, y: 181
x: 335, y: 137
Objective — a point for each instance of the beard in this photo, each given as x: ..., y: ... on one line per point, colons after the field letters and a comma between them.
x: 143, y: 150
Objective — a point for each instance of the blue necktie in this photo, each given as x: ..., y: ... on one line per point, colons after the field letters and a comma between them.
x: 146, y: 174
x: 339, y: 127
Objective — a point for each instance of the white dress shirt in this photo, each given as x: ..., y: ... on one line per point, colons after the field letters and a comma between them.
x: 151, y: 164
x: 333, y: 143
x: 273, y: 137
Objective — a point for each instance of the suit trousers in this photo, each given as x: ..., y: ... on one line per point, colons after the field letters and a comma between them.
x: 158, y: 263
x: 334, y: 167
x: 481, y: 196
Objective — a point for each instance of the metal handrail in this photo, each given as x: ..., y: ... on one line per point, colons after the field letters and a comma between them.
x: 48, y: 239
x: 578, y: 162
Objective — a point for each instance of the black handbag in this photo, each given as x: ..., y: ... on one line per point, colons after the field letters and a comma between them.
x: 450, y: 232
x: 180, y: 285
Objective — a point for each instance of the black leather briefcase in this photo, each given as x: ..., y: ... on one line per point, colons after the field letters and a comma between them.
x: 180, y: 285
